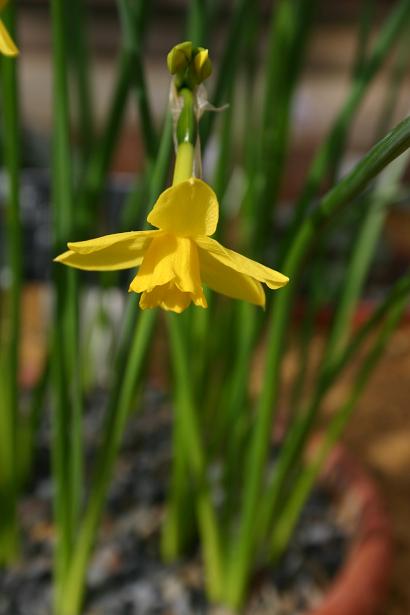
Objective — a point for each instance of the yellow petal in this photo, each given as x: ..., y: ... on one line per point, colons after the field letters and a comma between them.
x: 187, y: 209
x: 137, y: 240
x: 98, y: 261
x: 202, y: 65
x: 109, y: 253
x: 229, y: 282
x: 7, y: 45
x: 169, y: 259
x: 273, y: 279
x: 170, y: 298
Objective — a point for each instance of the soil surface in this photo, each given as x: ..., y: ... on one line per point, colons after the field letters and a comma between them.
x: 126, y: 575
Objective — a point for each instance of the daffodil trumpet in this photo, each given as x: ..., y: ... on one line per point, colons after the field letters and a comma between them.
x: 177, y: 258
x: 7, y: 45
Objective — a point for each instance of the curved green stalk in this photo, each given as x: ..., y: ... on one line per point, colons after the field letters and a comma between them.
x: 285, y: 525
x: 381, y: 154
x: 290, y: 26
x: 384, y: 192
x: 10, y: 344
x: 131, y: 353
x: 330, y: 151
x: 192, y: 453
x: 195, y: 460
x: 67, y: 437
x: 228, y: 65
x: 77, y: 30
x: 129, y: 74
x: 197, y: 22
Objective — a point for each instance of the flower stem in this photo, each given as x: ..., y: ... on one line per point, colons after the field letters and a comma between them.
x: 10, y: 345
x: 191, y: 453
x: 186, y: 135
x: 67, y: 436
x: 243, y: 546
x: 133, y: 345
x: 183, y: 163
x: 193, y: 456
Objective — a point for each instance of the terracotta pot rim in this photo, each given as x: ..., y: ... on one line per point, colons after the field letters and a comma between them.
x: 361, y: 585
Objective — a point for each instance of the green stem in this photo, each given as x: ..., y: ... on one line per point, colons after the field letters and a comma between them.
x: 197, y: 22
x: 194, y: 458
x: 77, y: 27
x: 330, y: 151
x: 366, y: 17
x: 67, y: 415
x: 133, y: 20
x: 10, y: 350
x: 286, y: 522
x: 243, y: 548
x: 191, y: 455
x: 290, y: 25
x: 128, y: 372
x: 177, y: 529
x: 228, y: 65
x: 130, y: 73
x: 132, y: 351
x: 364, y: 247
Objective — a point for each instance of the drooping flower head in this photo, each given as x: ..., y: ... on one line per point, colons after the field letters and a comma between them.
x: 177, y: 259
x: 7, y: 46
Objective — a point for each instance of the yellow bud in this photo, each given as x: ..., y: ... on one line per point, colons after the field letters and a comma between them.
x: 202, y: 65
x: 179, y: 57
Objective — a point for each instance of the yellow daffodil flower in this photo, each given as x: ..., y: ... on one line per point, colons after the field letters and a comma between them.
x: 7, y: 46
x: 177, y: 258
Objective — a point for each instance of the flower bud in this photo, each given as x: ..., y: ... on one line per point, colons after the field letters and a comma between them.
x: 179, y: 58
x: 202, y: 65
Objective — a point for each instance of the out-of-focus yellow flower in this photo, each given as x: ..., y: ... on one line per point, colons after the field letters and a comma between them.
x: 7, y: 46
x: 175, y: 260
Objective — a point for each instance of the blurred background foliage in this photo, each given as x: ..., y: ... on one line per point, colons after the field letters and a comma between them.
x: 309, y: 93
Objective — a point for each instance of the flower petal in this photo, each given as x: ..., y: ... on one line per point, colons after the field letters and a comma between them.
x: 109, y: 253
x: 187, y: 209
x: 7, y: 45
x: 137, y: 240
x: 169, y: 259
x: 229, y: 282
x: 273, y: 279
x: 170, y: 298
x: 99, y: 261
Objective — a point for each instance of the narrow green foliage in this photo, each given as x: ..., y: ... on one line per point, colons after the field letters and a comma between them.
x: 286, y: 522
x: 10, y: 338
x: 196, y: 461
x: 228, y: 65
x: 224, y: 490
x: 131, y: 352
x: 329, y: 153
x: 385, y: 191
x: 342, y: 194
x: 77, y: 30
x: 67, y: 451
